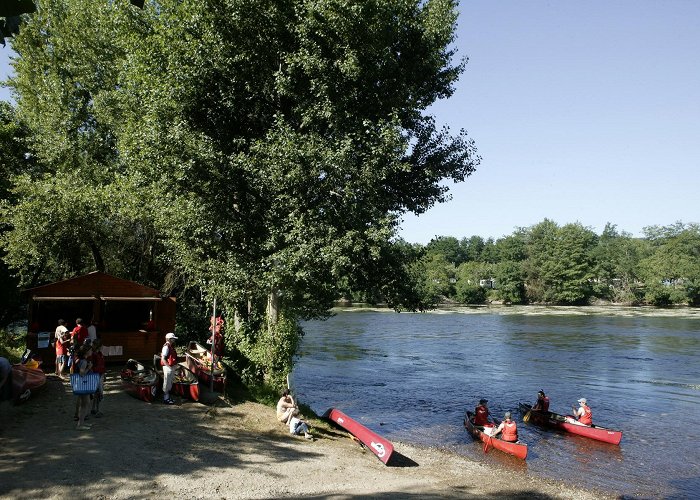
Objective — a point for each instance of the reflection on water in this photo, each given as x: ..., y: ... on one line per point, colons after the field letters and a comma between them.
x: 411, y: 377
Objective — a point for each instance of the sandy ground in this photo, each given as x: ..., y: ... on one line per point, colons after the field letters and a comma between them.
x: 221, y: 450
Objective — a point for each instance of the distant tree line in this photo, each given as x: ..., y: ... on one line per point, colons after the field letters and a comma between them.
x: 565, y: 265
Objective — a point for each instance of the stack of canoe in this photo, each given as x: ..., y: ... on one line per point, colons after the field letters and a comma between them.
x: 199, y: 362
x: 140, y: 381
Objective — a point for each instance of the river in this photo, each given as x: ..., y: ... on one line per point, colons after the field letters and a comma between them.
x: 411, y: 376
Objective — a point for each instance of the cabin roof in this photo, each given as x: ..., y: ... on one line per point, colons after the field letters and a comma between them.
x: 94, y: 285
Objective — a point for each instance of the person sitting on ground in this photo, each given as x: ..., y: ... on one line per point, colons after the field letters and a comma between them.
x: 481, y: 413
x: 286, y: 407
x: 5, y: 379
x: 508, y: 429
x: 542, y: 403
x: 583, y: 413
x: 298, y: 427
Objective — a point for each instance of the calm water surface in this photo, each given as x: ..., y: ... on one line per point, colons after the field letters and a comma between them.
x: 410, y: 377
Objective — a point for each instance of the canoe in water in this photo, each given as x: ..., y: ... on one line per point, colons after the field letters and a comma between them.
x: 199, y: 362
x: 568, y: 424
x: 517, y: 449
x: 381, y: 447
x: 139, y: 381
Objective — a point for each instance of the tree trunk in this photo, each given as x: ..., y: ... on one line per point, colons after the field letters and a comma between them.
x: 273, y: 307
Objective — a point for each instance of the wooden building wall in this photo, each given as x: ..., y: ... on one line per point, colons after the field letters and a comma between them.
x: 131, y: 319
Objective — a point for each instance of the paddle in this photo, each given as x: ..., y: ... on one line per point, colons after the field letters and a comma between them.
x: 526, y: 418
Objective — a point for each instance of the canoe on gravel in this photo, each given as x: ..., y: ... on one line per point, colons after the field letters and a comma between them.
x: 380, y: 446
x: 139, y: 381
x: 199, y: 362
x: 25, y: 382
x: 568, y: 424
x: 517, y: 449
x: 185, y: 383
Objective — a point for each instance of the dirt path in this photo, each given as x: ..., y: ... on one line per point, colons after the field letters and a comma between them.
x: 190, y: 450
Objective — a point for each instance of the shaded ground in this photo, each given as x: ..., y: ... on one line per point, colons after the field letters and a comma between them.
x: 191, y: 450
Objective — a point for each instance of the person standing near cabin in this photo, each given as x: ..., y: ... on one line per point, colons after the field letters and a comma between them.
x: 61, y: 341
x: 481, y: 413
x: 92, y: 330
x: 583, y: 413
x: 168, y: 359
x: 83, y: 366
x: 98, y: 366
x: 286, y: 407
x: 78, y: 334
x: 542, y: 403
x: 508, y: 429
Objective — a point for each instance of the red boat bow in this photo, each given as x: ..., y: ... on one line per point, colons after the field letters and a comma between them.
x: 380, y: 446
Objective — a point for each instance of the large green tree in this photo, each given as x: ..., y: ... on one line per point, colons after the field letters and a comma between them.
x: 262, y: 151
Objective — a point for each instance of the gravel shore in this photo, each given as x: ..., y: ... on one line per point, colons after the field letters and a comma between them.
x: 222, y: 450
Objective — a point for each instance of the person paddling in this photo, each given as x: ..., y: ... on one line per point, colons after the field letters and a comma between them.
x: 542, y: 403
x: 583, y: 413
x: 508, y: 429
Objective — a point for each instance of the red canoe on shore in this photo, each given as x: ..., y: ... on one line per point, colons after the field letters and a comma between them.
x: 379, y: 446
x: 517, y: 449
x: 563, y: 423
x: 185, y: 383
x: 199, y: 362
x: 140, y: 381
x: 25, y: 382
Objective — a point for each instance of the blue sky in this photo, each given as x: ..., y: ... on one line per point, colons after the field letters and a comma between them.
x: 582, y: 112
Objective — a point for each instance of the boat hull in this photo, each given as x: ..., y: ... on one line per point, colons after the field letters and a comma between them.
x: 25, y: 382
x: 139, y: 381
x: 559, y: 422
x: 197, y: 359
x: 381, y: 447
x: 517, y: 449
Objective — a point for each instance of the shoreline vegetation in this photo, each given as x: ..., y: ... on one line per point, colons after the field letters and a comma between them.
x: 226, y: 449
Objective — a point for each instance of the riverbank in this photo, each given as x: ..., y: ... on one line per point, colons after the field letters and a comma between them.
x: 222, y: 450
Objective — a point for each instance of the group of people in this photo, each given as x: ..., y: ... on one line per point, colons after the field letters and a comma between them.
x: 81, y: 351
x: 509, y: 429
x: 68, y: 342
x: 288, y: 414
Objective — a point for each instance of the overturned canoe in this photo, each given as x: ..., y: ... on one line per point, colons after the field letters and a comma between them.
x: 139, y: 381
x: 517, y: 449
x: 379, y: 445
x: 199, y: 362
x: 185, y: 383
x: 567, y: 424
x: 25, y: 382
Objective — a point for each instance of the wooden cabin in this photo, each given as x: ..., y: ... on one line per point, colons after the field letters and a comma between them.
x: 131, y: 319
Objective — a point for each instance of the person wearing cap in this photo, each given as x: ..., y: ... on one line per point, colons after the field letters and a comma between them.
x: 542, y: 403
x: 168, y: 359
x: 481, y: 413
x: 508, y: 429
x: 583, y: 413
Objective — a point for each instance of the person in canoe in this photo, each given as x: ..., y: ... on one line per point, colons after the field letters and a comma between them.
x: 583, y: 413
x: 542, y: 403
x: 481, y: 413
x: 508, y: 429
x: 286, y: 407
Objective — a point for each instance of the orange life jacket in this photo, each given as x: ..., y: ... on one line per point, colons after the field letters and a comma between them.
x: 587, y: 417
x: 171, y: 360
x: 510, y: 431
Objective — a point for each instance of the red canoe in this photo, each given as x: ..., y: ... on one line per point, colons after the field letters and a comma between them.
x: 379, y: 446
x: 199, y: 362
x: 516, y: 449
x: 561, y: 422
x: 140, y: 381
x: 185, y: 383
x: 25, y: 382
